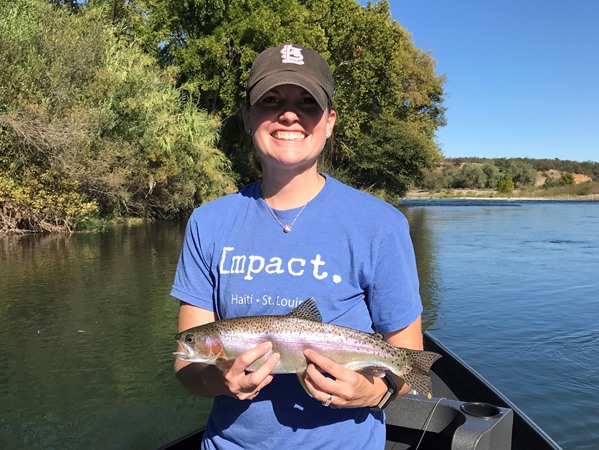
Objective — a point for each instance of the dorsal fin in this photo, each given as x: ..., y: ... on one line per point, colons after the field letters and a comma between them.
x: 378, y: 335
x: 307, y: 310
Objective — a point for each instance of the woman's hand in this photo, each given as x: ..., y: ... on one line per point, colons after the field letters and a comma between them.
x: 347, y: 388
x: 247, y: 385
x: 207, y: 380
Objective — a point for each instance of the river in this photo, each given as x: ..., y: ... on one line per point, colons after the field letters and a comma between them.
x: 86, y: 322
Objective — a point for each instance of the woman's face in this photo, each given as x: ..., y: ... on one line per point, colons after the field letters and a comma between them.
x: 289, y: 130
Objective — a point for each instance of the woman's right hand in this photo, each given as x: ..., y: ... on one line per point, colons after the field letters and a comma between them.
x: 247, y: 385
x: 207, y: 380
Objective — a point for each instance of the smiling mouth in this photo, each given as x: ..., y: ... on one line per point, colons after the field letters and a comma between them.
x: 289, y: 135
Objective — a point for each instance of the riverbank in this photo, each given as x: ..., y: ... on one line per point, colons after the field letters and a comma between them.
x: 473, y: 194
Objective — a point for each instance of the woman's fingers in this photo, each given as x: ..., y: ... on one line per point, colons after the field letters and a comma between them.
x: 247, y: 385
x: 246, y: 359
x: 343, y: 388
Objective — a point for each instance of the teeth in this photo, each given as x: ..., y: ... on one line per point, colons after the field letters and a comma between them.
x: 289, y: 135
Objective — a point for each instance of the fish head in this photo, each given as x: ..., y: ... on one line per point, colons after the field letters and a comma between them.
x: 198, y: 347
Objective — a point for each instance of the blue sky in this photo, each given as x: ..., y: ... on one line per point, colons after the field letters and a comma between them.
x: 522, y: 75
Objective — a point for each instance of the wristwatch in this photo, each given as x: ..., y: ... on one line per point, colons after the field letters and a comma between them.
x: 391, y: 391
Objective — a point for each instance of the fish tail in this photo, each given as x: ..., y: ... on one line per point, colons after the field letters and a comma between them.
x: 418, y: 378
x: 422, y: 360
x: 420, y: 381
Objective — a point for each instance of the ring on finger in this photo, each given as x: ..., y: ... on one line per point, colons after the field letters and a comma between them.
x: 328, y: 402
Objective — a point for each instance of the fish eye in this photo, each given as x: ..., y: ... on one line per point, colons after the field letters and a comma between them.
x: 190, y: 338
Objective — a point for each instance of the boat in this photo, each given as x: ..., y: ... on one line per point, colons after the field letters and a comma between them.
x: 466, y: 412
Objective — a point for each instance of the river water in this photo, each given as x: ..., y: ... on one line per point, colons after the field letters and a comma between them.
x: 86, y: 322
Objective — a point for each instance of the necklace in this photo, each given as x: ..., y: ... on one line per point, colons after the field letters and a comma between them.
x: 286, y: 228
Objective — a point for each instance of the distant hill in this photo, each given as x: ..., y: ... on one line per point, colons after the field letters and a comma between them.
x: 519, y: 173
x: 589, y: 168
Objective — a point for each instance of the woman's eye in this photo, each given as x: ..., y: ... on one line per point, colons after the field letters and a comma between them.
x: 304, y: 102
x: 270, y: 99
x: 308, y: 101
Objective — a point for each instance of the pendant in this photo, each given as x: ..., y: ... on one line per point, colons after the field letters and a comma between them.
x: 286, y: 228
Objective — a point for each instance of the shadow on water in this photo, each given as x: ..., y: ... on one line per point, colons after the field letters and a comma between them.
x: 424, y: 240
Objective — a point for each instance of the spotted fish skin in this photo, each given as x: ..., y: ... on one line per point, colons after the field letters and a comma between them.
x: 220, y: 342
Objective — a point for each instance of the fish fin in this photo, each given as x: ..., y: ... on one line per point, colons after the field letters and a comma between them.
x: 422, y: 360
x: 307, y: 310
x: 373, y: 371
x: 420, y: 382
x: 224, y: 364
x: 417, y: 378
x: 300, y: 377
x: 378, y: 335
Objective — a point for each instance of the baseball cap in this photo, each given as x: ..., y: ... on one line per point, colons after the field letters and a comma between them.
x: 291, y: 64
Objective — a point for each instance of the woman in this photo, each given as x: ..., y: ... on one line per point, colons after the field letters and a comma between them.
x: 295, y: 234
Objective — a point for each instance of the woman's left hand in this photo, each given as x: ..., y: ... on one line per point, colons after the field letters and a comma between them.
x: 347, y: 388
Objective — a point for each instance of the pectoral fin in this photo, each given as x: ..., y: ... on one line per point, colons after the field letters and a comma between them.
x: 300, y: 377
x: 224, y: 364
x: 374, y: 370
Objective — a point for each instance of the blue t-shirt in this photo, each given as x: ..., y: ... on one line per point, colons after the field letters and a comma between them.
x: 349, y: 250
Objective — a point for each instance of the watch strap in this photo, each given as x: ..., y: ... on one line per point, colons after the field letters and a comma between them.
x: 388, y: 396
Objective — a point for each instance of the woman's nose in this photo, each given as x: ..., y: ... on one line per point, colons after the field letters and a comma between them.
x: 289, y: 112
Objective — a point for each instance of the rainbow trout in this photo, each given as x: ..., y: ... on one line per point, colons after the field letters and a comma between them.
x: 220, y: 342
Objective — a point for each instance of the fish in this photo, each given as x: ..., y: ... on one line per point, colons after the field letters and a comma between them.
x: 220, y: 342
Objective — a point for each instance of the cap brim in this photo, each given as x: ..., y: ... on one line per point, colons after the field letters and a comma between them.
x: 288, y: 77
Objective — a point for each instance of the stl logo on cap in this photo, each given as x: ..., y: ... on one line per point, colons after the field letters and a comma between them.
x: 291, y: 55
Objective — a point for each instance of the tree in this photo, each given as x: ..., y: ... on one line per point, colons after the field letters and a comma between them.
x: 89, y: 123
x: 565, y: 179
x: 492, y: 174
x: 506, y: 185
x: 522, y: 173
x: 379, y: 74
x: 86, y: 109
x: 209, y: 46
x: 393, y: 153
x: 470, y: 176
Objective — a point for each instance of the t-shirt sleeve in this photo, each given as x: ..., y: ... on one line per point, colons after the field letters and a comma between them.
x: 194, y: 283
x: 394, y: 297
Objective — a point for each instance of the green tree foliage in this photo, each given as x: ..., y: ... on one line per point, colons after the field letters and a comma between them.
x: 89, y: 123
x: 379, y: 73
x: 381, y: 77
x: 492, y: 175
x: 522, y: 173
x: 589, y: 168
x: 506, y: 185
x: 388, y: 168
x: 498, y: 174
x: 470, y: 176
x: 565, y: 179
x: 126, y: 103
